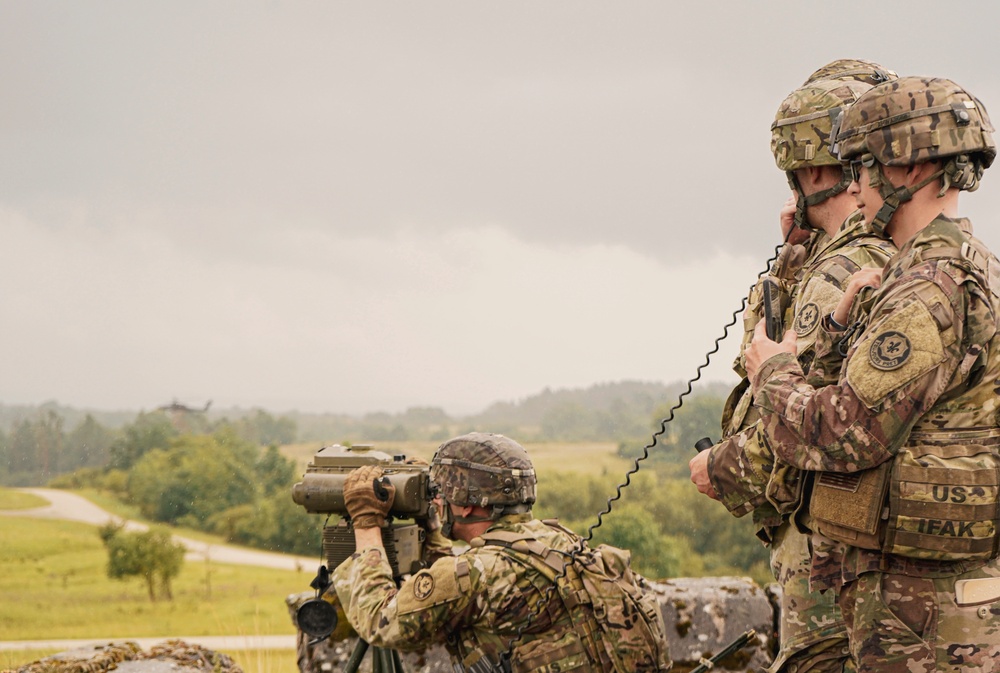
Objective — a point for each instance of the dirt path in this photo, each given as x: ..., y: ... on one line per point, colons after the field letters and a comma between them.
x: 72, y: 507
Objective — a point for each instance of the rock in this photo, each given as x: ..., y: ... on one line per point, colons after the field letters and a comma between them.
x: 704, y: 614
x: 174, y: 656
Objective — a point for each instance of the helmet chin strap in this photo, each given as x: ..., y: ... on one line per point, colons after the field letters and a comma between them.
x: 892, y: 197
x: 802, y: 201
x: 449, y: 519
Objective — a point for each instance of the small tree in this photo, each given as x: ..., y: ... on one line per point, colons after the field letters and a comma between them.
x: 151, y: 555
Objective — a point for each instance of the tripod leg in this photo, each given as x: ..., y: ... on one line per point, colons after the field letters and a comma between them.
x: 384, y: 659
x: 356, y: 656
x: 397, y: 663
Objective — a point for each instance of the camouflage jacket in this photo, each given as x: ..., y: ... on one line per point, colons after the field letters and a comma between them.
x: 742, y: 468
x: 474, y: 603
x: 928, y: 360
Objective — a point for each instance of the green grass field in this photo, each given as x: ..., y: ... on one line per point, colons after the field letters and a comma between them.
x: 54, y: 587
x: 19, y: 500
x: 54, y: 584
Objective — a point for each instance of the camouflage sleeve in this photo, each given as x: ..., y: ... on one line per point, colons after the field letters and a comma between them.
x: 833, y: 340
x: 738, y: 468
x: 817, y: 297
x: 480, y: 589
x: 416, y: 615
x: 828, y: 359
x: 751, y: 316
x: 437, y: 546
x: 900, y: 366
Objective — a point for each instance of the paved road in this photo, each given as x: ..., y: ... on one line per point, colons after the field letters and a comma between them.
x: 69, y: 506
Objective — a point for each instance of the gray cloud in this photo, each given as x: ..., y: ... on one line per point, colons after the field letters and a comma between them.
x: 189, y: 150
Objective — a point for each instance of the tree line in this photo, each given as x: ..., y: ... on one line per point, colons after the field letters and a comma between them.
x: 38, y: 447
x: 220, y: 477
x: 605, y: 412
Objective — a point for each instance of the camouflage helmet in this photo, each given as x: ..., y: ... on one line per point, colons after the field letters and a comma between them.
x: 804, y: 128
x: 914, y: 120
x: 858, y: 69
x: 486, y: 470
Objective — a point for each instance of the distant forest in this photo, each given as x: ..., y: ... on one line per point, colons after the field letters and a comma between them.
x: 221, y: 471
x: 42, y: 441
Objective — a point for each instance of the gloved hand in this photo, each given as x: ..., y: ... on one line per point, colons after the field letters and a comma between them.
x: 368, y: 503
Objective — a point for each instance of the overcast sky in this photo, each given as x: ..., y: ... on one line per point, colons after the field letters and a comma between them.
x: 361, y: 206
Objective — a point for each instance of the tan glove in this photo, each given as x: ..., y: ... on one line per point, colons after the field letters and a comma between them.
x: 368, y: 503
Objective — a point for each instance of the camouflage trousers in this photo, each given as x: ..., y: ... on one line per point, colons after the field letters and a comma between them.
x: 812, y: 634
x: 903, y: 624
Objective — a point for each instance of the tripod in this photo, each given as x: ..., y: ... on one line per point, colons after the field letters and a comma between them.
x: 383, y: 660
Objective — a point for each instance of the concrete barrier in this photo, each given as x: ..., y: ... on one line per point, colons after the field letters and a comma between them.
x: 702, y: 616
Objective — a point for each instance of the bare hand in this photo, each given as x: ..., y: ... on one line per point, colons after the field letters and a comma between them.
x: 699, y: 474
x: 786, y: 217
x: 762, y: 349
x: 860, y: 279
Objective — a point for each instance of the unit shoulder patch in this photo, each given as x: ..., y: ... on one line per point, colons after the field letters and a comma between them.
x: 818, y: 297
x: 889, y: 350
x: 896, y: 350
x: 423, y: 586
x: 428, y: 588
x: 806, y: 319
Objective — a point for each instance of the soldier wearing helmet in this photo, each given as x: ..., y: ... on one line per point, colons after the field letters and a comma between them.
x: 489, y: 601
x: 742, y: 471
x: 906, y: 444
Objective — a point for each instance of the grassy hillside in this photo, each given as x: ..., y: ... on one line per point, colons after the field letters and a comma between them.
x: 54, y: 587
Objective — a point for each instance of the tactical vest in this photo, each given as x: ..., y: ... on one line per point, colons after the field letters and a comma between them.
x: 616, y: 624
x: 939, y: 498
x: 784, y: 489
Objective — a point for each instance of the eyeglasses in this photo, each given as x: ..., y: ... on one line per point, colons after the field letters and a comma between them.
x: 866, y: 160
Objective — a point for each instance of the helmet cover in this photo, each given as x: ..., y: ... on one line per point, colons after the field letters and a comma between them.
x: 858, y: 69
x: 916, y: 119
x: 805, y: 122
x: 484, y: 469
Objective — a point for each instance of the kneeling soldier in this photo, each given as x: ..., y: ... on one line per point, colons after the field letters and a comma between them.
x: 526, y: 589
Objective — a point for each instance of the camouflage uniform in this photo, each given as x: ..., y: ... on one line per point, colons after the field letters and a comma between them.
x: 742, y: 468
x: 917, y: 392
x: 474, y: 603
x: 746, y: 475
x: 513, y: 590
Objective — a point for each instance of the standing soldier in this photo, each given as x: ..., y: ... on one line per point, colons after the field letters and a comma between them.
x: 906, y: 442
x: 741, y: 471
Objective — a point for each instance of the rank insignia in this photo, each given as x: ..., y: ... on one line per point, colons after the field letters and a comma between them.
x: 423, y: 586
x: 889, y: 350
x: 807, y: 319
